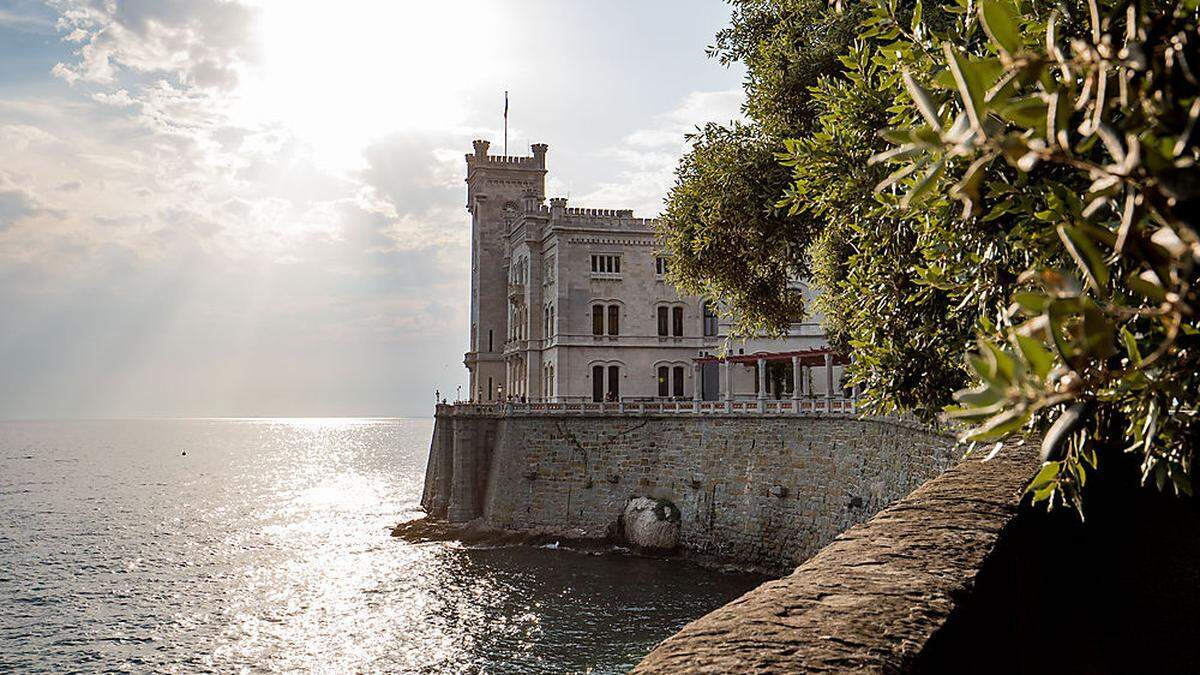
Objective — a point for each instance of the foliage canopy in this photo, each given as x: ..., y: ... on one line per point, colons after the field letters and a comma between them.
x: 1009, y: 179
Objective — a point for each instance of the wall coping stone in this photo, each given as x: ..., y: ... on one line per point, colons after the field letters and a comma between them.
x: 901, y: 421
x: 871, y: 599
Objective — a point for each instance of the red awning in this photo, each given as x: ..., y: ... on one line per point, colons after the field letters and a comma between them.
x: 808, y: 357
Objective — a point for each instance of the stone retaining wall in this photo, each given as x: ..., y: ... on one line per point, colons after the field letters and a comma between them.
x: 760, y: 492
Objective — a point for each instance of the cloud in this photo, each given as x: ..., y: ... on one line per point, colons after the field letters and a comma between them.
x: 25, y: 16
x: 202, y: 43
x: 643, y: 164
x: 14, y: 206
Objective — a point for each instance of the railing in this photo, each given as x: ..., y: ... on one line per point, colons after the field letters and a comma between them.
x: 801, y: 406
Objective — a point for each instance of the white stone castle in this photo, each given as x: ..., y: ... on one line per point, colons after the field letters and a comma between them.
x: 571, y: 305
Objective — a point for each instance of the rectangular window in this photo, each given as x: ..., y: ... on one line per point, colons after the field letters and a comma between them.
x: 710, y: 321
x: 597, y: 319
x: 660, y: 266
x: 606, y: 265
x: 614, y: 383
x: 677, y: 321
x: 597, y: 383
x: 663, y: 385
x: 677, y: 385
x: 662, y: 321
x: 489, y: 388
x: 614, y: 320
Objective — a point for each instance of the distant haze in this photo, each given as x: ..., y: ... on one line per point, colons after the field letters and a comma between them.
x: 213, y: 208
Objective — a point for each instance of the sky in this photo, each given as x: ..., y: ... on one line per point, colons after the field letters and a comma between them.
x: 217, y: 208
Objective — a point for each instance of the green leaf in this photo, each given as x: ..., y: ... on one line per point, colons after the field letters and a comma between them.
x: 1147, y: 285
x: 1001, y: 425
x: 1047, y: 475
x: 1131, y: 347
x: 1006, y: 366
x: 1039, y: 358
x: 1058, y: 313
x: 971, y: 88
x: 1086, y: 255
x: 979, y: 397
x: 1028, y: 112
x: 924, y: 185
x: 1035, y: 303
x: 1000, y: 19
x: 925, y: 104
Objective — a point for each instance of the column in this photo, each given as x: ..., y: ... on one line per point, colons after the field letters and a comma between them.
x: 728, y: 386
x: 696, y: 383
x: 797, y: 378
x: 762, y: 379
x: 828, y: 375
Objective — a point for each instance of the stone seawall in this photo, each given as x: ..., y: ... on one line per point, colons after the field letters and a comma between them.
x: 762, y: 492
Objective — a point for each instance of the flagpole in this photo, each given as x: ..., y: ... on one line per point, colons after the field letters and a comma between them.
x: 505, y: 122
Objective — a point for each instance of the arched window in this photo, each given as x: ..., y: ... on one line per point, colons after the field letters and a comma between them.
x: 614, y: 320
x: 597, y: 319
x: 677, y: 321
x: 670, y: 381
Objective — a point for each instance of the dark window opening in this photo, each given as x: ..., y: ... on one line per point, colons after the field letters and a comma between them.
x: 597, y: 384
x: 614, y: 383
x: 489, y: 339
x: 663, y: 387
x: 597, y: 319
x: 710, y: 321
x: 662, y: 321
x: 677, y: 321
x: 677, y: 385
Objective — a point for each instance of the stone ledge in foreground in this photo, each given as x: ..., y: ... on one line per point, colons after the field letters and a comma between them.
x: 872, y: 599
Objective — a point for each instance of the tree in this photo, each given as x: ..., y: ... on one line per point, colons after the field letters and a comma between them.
x: 1010, y: 179
x: 1105, y: 341
x: 728, y: 237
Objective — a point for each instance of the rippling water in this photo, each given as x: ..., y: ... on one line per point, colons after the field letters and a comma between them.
x: 266, y: 547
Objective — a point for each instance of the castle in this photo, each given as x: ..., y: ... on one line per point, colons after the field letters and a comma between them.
x: 572, y: 305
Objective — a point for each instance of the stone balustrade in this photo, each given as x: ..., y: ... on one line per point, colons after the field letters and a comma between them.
x: 797, y: 406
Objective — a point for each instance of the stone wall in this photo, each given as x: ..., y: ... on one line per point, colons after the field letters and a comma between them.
x: 964, y: 576
x: 761, y: 491
x: 873, y: 599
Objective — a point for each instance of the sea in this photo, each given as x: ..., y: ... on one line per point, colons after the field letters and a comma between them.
x: 263, y: 545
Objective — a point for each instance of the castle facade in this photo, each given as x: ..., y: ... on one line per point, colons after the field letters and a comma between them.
x: 572, y: 305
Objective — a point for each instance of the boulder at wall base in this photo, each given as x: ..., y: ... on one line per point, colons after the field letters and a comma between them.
x: 651, y: 525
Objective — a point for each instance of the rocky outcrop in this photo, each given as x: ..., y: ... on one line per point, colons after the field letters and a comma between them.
x: 651, y: 525
x: 872, y: 599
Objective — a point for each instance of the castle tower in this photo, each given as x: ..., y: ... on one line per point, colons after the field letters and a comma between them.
x: 496, y: 185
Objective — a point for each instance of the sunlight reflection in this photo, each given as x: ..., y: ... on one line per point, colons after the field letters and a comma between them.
x: 378, y: 68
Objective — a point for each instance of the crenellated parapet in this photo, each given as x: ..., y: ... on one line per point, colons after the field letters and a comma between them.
x: 481, y: 158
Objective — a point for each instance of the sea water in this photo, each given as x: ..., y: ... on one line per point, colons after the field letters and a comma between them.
x: 263, y: 545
